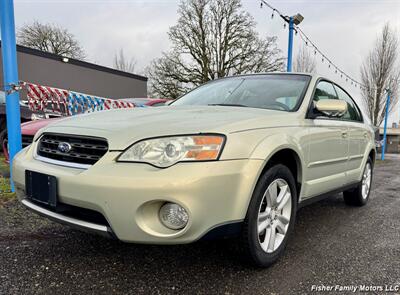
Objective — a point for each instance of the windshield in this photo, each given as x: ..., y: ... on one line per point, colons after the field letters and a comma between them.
x: 276, y: 92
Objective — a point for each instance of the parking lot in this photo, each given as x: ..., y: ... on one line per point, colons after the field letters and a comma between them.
x: 333, y: 245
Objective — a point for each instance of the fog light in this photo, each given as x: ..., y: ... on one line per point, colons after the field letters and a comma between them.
x: 173, y: 216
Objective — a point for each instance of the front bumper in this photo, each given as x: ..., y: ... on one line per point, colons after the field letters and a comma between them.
x: 73, y: 222
x: 129, y: 195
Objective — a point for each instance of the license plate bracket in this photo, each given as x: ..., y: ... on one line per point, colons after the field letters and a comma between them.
x: 41, y: 188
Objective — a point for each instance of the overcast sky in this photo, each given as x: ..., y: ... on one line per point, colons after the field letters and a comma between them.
x: 343, y: 29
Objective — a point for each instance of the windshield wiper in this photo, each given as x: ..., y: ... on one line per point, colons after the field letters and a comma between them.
x: 228, y: 105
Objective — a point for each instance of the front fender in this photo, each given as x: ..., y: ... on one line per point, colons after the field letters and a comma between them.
x: 293, y: 138
x: 294, y: 141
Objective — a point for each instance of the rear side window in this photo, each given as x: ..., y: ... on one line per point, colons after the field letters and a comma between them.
x: 324, y: 90
x: 353, y: 114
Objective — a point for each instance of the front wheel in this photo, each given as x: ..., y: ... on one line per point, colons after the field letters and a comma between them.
x: 359, y: 196
x: 270, y: 217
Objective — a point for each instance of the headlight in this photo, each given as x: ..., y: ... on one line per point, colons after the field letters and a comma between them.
x: 36, y: 116
x: 167, y: 151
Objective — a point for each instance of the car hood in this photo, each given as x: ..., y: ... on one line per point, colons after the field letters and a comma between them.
x: 123, y: 127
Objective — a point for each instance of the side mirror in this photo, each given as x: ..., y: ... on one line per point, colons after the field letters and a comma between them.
x: 331, y: 107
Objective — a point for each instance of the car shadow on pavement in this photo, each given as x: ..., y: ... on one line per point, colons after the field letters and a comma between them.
x: 332, y: 243
x: 210, y: 265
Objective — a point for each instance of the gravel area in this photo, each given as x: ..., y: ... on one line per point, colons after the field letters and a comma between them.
x: 333, y: 244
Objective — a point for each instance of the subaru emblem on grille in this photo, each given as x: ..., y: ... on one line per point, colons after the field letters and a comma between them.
x: 64, y: 147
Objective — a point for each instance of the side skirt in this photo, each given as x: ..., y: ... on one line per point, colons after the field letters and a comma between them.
x: 311, y: 200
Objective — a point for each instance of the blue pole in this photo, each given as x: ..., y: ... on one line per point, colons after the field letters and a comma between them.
x: 10, y: 72
x: 290, y: 45
x: 385, y: 126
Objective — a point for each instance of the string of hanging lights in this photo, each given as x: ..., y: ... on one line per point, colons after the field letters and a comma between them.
x: 310, y: 44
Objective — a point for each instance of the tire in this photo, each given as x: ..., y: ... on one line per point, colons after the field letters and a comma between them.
x: 3, y: 138
x: 257, y: 247
x: 3, y: 131
x: 359, y: 196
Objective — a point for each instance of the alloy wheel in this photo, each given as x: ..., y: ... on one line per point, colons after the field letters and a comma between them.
x: 366, y: 180
x: 274, y: 215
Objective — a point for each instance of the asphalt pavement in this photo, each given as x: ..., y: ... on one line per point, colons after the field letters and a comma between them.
x: 333, y: 245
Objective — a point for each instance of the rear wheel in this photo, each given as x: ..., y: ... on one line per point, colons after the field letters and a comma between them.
x: 270, y: 217
x: 359, y: 196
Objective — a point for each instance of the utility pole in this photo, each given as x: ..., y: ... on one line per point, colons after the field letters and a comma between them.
x: 385, y: 125
x: 292, y: 21
x: 10, y: 72
x: 290, y: 45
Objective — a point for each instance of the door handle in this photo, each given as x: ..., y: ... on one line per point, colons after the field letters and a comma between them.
x: 365, y: 134
x: 344, y: 134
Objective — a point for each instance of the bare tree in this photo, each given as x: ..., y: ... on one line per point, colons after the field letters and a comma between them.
x: 122, y: 63
x: 50, y: 38
x: 380, y: 72
x: 164, y: 83
x: 304, y: 62
x: 211, y: 39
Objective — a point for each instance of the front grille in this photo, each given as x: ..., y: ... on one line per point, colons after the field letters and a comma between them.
x: 26, y: 140
x: 83, y: 150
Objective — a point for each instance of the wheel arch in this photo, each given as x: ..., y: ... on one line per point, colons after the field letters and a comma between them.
x: 286, y: 150
x: 372, y: 155
x: 3, y: 121
x: 290, y: 158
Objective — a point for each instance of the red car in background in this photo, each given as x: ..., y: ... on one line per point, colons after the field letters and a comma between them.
x: 149, y: 102
x: 29, y: 129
